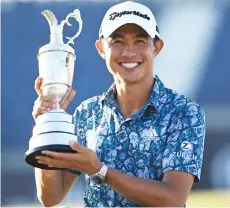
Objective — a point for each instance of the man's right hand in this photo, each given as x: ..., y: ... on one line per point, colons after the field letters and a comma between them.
x: 44, y: 103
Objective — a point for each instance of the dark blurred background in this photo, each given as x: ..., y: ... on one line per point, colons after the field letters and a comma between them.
x: 195, y: 61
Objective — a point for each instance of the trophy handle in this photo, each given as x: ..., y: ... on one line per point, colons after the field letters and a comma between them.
x: 75, y: 14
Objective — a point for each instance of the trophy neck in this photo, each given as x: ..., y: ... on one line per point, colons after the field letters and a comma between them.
x: 56, y: 36
x: 56, y: 29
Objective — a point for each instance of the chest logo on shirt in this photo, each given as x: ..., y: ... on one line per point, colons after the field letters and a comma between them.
x: 186, y: 145
x: 149, y: 133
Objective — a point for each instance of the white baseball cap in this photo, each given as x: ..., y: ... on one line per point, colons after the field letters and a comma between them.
x: 128, y: 12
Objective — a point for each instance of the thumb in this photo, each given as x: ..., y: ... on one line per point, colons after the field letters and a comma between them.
x: 37, y: 85
x: 68, y: 100
x: 75, y: 146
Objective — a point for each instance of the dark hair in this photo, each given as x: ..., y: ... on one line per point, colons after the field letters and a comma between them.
x: 155, y: 39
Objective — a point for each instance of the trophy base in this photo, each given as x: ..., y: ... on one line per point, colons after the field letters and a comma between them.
x: 32, y: 153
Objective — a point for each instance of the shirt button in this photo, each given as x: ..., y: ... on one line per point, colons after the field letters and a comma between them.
x: 152, y: 110
x: 123, y: 127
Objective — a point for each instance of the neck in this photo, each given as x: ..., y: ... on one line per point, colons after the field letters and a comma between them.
x: 132, y: 97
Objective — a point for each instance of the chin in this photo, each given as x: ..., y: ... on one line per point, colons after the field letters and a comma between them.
x: 131, y: 81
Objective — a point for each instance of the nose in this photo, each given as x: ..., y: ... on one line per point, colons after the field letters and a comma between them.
x: 129, y: 51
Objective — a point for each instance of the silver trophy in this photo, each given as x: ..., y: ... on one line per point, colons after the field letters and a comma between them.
x: 54, y: 129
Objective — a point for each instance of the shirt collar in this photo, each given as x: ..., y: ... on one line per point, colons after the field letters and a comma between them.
x: 159, y: 93
x: 156, y: 99
x: 109, y: 97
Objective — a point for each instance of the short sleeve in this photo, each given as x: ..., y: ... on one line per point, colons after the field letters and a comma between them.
x: 185, y: 141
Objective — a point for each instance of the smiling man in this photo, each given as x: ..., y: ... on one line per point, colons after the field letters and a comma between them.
x: 139, y: 143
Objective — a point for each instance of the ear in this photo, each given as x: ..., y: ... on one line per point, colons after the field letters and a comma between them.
x: 100, y: 48
x: 159, y: 44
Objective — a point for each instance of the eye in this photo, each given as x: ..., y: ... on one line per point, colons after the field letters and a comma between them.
x: 140, y: 41
x: 117, y: 42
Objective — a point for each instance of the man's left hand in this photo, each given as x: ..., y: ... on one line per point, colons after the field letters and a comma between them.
x: 84, y: 160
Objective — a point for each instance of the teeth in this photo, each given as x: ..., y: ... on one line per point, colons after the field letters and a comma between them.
x: 129, y: 65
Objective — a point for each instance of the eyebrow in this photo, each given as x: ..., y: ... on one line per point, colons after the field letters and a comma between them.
x: 143, y: 35
x: 115, y: 35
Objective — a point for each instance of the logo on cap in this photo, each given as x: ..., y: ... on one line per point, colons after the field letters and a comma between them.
x: 119, y: 14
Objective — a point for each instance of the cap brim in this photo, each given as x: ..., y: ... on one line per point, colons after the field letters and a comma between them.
x: 152, y: 32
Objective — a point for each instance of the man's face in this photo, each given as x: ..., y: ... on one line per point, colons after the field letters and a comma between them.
x: 129, y: 54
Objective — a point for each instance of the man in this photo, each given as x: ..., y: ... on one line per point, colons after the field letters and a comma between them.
x: 139, y: 143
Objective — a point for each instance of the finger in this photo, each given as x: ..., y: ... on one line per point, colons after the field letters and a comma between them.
x: 42, y: 157
x: 57, y: 159
x: 40, y: 111
x: 48, y: 105
x: 71, y: 95
x: 45, y: 160
x: 37, y: 85
x: 48, y: 153
x: 59, y: 155
x: 45, y: 104
x: 76, y: 146
x: 46, y: 98
x: 52, y: 163
x: 68, y: 100
x: 42, y: 108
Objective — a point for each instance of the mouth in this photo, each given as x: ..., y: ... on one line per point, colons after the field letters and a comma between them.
x: 130, y: 65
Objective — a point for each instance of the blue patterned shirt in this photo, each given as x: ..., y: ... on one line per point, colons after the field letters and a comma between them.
x: 167, y: 134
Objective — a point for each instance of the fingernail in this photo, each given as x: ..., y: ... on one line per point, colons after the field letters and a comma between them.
x: 71, y: 142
